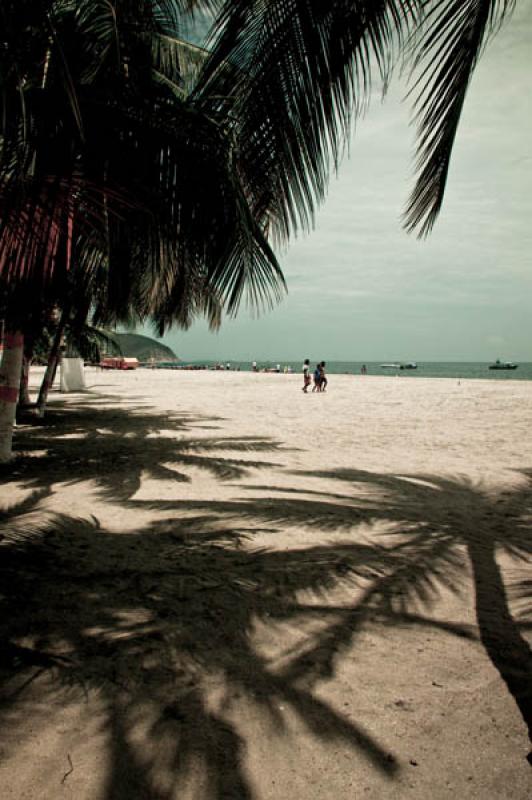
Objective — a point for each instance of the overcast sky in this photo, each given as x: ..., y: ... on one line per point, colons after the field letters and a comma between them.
x: 360, y: 288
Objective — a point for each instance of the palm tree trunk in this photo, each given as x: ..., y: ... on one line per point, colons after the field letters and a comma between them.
x: 53, y: 360
x: 24, y: 394
x: 24, y: 400
x: 10, y: 369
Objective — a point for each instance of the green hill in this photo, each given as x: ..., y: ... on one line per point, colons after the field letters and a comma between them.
x: 133, y: 345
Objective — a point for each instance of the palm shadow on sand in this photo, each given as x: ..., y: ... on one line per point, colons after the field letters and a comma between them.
x: 152, y: 619
x: 436, y: 516
x: 116, y: 447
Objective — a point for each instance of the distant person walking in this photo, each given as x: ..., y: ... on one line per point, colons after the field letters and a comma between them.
x: 323, y: 377
x: 316, y: 387
x: 363, y: 369
x: 306, y: 375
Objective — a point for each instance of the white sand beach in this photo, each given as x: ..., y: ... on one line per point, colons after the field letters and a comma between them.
x: 245, y: 592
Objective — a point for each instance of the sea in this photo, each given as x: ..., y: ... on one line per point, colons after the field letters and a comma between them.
x: 425, y: 369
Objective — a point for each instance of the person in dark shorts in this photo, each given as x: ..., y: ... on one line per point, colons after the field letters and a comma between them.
x: 317, y: 379
x: 323, y: 377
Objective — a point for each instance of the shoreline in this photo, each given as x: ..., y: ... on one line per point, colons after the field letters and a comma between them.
x: 438, y: 369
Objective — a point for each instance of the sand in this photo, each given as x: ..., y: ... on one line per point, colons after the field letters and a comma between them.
x: 214, y: 586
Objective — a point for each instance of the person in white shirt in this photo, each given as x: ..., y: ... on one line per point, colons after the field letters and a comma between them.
x: 306, y: 375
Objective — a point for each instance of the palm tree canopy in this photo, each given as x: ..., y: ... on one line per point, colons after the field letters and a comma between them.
x: 176, y: 170
x: 295, y: 72
x: 101, y: 134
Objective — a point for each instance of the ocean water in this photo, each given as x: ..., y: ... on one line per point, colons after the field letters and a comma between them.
x: 425, y: 369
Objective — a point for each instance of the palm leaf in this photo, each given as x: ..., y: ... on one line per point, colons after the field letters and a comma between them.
x: 293, y: 74
x: 452, y: 37
x: 188, y: 234
x: 200, y: 231
x: 177, y: 60
x: 90, y: 342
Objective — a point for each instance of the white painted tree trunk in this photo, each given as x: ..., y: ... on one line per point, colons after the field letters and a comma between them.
x: 10, y: 371
x: 72, y: 375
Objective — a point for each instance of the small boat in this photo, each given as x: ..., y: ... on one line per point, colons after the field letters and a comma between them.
x: 503, y: 365
x: 409, y: 365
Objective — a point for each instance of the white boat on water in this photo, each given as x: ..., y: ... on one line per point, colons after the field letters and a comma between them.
x: 409, y: 365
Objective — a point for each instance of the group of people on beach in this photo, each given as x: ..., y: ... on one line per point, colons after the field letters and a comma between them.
x: 320, y: 379
x: 286, y: 369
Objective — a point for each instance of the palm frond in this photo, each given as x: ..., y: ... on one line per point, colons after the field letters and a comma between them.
x: 98, y: 35
x: 188, y: 233
x: 169, y: 14
x: 200, y: 230
x: 63, y: 69
x: 293, y: 74
x: 248, y: 267
x: 36, y: 234
x: 90, y: 342
x: 177, y: 60
x: 453, y: 34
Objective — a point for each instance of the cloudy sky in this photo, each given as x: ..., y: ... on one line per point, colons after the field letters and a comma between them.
x: 360, y: 288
